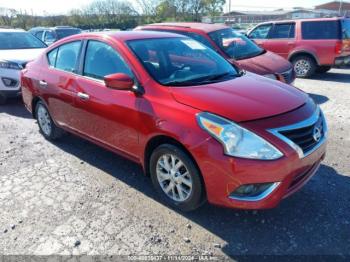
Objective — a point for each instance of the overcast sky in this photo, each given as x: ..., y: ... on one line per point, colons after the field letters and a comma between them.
x: 63, y: 6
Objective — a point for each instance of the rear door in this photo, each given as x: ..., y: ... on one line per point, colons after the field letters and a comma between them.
x: 260, y: 34
x: 321, y: 37
x: 58, y: 81
x: 281, y: 39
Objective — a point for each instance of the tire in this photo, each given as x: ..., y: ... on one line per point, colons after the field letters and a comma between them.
x: 47, y: 127
x: 2, y: 99
x: 304, y: 66
x: 323, y: 69
x: 191, y: 197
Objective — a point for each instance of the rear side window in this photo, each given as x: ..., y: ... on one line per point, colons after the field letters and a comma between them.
x: 280, y: 31
x: 314, y: 30
x: 67, y: 56
x: 51, y: 56
x: 101, y: 60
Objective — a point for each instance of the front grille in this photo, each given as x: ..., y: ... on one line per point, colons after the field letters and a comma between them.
x: 307, y: 137
x: 288, y: 76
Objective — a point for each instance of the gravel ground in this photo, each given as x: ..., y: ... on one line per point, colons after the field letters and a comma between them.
x: 72, y: 197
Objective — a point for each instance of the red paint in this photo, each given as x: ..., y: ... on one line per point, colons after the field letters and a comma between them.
x: 324, y: 51
x: 124, y: 121
x: 263, y: 64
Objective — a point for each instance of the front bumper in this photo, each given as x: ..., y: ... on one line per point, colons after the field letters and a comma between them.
x: 224, y: 174
x: 12, y: 91
x: 342, y: 61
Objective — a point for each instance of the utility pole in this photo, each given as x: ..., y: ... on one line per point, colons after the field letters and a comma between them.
x: 229, y: 6
x: 340, y: 7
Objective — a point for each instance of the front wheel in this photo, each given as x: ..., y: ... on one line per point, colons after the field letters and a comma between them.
x: 304, y: 66
x: 176, y: 178
x: 47, y: 127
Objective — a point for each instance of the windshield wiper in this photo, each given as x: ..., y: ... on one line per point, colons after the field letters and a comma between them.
x: 220, y: 76
x: 200, y: 80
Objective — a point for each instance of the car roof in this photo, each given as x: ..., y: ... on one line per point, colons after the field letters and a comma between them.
x: 11, y: 30
x: 126, y: 35
x: 304, y: 20
x: 205, y: 27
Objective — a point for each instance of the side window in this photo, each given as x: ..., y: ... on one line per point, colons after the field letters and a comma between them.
x: 49, y: 36
x: 51, y: 57
x: 101, y: 60
x: 39, y: 34
x: 261, y: 32
x: 200, y: 38
x: 67, y: 56
x: 320, y: 30
x: 280, y: 31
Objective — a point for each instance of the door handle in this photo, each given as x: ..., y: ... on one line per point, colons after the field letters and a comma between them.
x: 83, y: 96
x: 43, y: 83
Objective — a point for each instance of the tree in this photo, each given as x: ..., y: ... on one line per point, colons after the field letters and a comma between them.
x: 214, y: 7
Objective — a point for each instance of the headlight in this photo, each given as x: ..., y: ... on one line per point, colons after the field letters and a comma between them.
x: 10, y: 65
x: 236, y: 140
x: 271, y: 76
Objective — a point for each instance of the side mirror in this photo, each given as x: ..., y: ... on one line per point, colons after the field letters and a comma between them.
x: 119, y: 81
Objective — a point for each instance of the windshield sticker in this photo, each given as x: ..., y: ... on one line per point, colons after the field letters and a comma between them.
x: 193, y: 44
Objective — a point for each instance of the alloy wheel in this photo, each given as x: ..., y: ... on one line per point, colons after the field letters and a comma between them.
x: 174, y: 178
x: 44, y: 120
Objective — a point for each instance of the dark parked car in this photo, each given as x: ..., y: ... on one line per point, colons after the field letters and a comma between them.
x: 312, y: 45
x: 53, y: 34
x: 198, y: 126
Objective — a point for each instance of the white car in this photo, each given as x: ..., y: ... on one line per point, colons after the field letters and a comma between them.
x: 17, y: 47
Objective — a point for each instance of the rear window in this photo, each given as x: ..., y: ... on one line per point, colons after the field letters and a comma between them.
x: 62, y: 33
x: 320, y: 30
x: 346, y: 28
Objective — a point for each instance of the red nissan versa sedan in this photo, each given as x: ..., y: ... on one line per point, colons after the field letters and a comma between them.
x: 236, y: 48
x: 199, y: 127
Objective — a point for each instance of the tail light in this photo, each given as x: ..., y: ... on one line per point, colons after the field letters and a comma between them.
x: 339, y: 47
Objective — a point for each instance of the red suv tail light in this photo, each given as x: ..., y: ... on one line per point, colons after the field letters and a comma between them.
x: 339, y: 47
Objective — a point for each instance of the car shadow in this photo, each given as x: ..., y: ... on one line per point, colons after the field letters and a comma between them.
x: 15, y: 107
x: 332, y: 77
x: 316, y: 220
x: 319, y: 99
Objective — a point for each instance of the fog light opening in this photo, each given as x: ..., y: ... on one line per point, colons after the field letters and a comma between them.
x: 9, y: 82
x: 253, y: 192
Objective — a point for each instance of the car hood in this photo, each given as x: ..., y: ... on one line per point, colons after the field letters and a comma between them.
x: 245, y: 98
x: 20, y: 55
x: 267, y: 63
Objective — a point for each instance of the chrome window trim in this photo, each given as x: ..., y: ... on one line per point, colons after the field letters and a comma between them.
x: 305, y: 123
x: 259, y: 197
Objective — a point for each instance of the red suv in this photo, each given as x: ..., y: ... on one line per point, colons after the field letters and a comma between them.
x: 312, y: 45
x: 233, y: 46
x: 201, y: 129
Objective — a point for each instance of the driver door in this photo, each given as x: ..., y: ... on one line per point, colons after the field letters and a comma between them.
x: 106, y: 115
x: 260, y: 34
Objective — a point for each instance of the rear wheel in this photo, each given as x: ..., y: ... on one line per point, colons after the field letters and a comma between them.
x: 323, y: 69
x: 176, y: 178
x: 304, y: 66
x: 47, y: 127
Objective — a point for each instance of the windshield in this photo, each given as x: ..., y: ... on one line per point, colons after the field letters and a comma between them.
x: 346, y: 28
x: 235, y: 45
x: 181, y: 61
x: 19, y: 40
x: 61, y: 33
